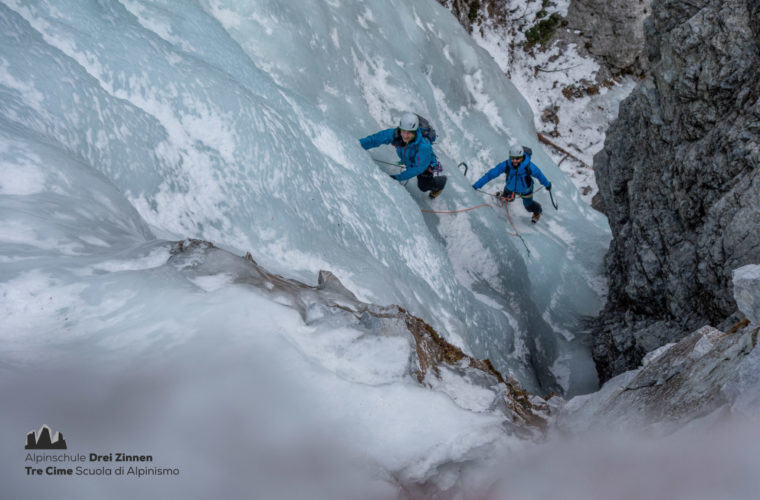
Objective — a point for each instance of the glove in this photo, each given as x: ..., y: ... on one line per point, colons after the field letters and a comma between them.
x: 549, y: 187
x: 392, y: 176
x: 506, y: 195
x: 473, y: 187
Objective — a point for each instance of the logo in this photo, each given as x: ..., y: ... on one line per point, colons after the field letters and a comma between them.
x: 44, y: 462
x: 42, y: 440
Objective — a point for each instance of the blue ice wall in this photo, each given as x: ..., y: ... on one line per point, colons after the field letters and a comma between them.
x: 123, y: 122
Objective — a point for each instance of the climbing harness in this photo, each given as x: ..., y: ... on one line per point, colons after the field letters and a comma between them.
x: 517, y: 195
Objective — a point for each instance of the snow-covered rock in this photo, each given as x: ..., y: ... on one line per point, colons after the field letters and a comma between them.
x: 710, y: 372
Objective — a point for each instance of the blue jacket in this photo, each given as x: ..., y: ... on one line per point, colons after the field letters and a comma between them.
x: 417, y: 155
x: 518, y: 180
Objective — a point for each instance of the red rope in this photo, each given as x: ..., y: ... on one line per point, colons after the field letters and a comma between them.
x: 506, y: 208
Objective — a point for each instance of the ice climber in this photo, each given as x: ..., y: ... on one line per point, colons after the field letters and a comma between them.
x: 520, y: 172
x: 414, y: 150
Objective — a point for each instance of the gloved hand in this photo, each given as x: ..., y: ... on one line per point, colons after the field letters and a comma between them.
x: 473, y: 187
x: 392, y: 176
x: 507, y: 195
x: 549, y: 187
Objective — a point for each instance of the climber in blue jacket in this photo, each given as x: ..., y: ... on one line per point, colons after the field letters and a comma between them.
x: 414, y: 150
x: 520, y: 172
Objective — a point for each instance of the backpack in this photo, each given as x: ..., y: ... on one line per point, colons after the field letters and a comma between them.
x: 427, y: 130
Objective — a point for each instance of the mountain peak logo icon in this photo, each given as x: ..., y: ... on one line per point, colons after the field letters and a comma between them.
x: 43, y: 441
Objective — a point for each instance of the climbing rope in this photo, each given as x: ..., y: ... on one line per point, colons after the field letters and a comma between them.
x: 506, y: 209
x: 506, y: 205
x: 509, y: 217
x: 403, y: 183
x: 397, y: 165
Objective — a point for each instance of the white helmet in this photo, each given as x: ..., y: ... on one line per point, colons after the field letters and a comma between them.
x: 409, y: 122
x: 516, y: 151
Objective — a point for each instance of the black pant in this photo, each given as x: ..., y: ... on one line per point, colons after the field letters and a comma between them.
x: 531, y: 206
x: 426, y: 181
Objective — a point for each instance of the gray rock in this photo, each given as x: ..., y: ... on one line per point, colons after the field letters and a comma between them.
x: 474, y: 13
x: 705, y: 373
x: 747, y: 292
x: 678, y: 178
x: 612, y: 31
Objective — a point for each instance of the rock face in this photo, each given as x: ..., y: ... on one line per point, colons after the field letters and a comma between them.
x: 679, y: 180
x: 747, y: 292
x: 471, y: 13
x: 612, y: 31
x: 709, y: 371
x: 330, y: 303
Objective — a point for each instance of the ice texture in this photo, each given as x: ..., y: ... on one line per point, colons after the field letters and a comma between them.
x: 127, y: 125
x: 238, y: 124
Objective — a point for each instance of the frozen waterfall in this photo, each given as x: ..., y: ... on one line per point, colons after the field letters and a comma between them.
x: 125, y: 125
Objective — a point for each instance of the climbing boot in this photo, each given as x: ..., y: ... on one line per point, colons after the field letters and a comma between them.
x: 535, y: 217
x: 435, y: 194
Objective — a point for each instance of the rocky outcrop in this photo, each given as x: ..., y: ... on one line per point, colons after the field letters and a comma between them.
x: 710, y: 372
x: 612, y: 32
x: 747, y: 292
x: 707, y: 372
x: 331, y: 303
x: 679, y: 180
x: 472, y: 13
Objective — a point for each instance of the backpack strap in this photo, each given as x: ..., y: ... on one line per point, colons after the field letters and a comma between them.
x: 528, y: 176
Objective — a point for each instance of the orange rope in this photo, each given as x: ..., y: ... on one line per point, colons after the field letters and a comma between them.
x: 509, y: 218
x: 506, y: 208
